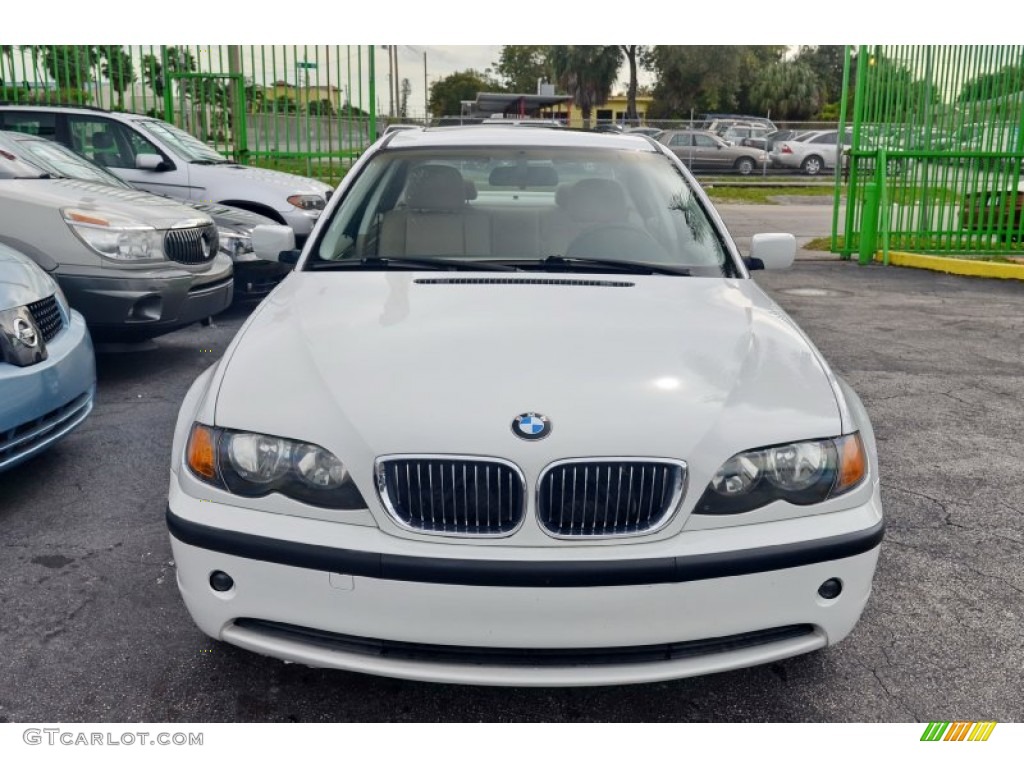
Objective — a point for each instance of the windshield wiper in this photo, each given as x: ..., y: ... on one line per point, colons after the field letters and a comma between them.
x: 218, y: 161
x: 413, y: 263
x: 632, y: 267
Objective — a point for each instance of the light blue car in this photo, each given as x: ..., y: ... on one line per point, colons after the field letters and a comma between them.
x: 47, y: 368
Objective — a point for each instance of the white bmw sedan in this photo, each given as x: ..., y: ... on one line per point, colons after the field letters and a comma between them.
x: 520, y: 416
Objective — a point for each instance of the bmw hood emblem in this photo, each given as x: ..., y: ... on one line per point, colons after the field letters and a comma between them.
x: 531, y: 426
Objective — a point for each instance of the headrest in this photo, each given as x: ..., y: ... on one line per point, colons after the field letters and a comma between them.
x: 102, y: 140
x: 597, y: 200
x: 435, y: 188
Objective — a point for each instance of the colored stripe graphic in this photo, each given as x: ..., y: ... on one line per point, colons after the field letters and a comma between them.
x: 959, y: 730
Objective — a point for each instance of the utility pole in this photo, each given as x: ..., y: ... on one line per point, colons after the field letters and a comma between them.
x: 426, y: 93
x: 398, y: 83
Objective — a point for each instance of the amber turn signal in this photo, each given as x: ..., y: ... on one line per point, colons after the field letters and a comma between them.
x: 853, y: 462
x: 201, y: 454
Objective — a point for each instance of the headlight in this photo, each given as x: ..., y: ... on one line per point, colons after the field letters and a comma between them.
x: 237, y: 245
x: 252, y: 465
x: 800, y: 473
x: 308, y: 202
x: 115, y: 236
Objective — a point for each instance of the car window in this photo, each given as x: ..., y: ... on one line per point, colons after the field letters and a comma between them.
x: 826, y: 138
x: 704, y: 141
x: 35, y: 123
x: 524, y: 204
x: 61, y: 161
x: 104, y: 142
x: 680, y: 140
x: 187, y: 145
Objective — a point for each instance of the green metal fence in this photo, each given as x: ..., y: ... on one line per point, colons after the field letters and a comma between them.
x: 307, y: 109
x: 935, y: 162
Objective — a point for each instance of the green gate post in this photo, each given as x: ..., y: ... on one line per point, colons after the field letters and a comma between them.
x: 869, y: 223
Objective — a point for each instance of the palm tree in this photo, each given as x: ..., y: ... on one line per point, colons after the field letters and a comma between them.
x: 587, y: 72
x: 631, y: 52
x: 788, y: 90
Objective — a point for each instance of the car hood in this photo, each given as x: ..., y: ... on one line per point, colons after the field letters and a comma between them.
x: 287, y: 183
x: 229, y: 218
x: 21, y: 281
x: 372, y: 363
x: 154, y: 210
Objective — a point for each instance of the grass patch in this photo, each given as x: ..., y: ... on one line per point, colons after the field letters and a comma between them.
x: 763, y: 195
x: 825, y: 244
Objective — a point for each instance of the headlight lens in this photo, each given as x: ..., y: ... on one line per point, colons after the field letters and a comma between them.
x: 115, y: 236
x: 253, y: 465
x: 237, y: 245
x: 801, y: 473
x: 308, y: 202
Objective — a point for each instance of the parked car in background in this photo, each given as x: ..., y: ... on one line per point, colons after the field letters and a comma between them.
x: 719, y: 122
x: 767, y: 142
x: 704, y: 151
x: 739, y: 134
x: 646, y: 470
x: 159, y: 157
x: 136, y: 265
x: 253, y: 277
x: 812, y: 152
x: 645, y: 130
x: 47, y: 369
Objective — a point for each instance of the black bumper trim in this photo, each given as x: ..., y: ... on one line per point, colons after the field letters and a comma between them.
x: 517, y: 573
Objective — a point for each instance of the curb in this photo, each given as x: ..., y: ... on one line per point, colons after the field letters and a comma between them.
x: 953, y: 266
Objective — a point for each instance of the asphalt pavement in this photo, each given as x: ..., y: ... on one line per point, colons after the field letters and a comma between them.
x: 92, y: 627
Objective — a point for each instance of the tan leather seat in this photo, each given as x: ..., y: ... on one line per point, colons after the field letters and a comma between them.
x: 433, y: 219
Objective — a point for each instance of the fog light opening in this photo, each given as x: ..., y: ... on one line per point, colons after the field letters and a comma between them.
x: 221, y: 582
x: 830, y: 589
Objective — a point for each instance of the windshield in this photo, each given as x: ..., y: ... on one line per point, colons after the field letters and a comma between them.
x: 520, y: 206
x: 13, y: 166
x: 184, y: 144
x: 61, y: 161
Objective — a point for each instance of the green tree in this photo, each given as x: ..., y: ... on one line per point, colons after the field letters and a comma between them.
x: 826, y: 61
x: 706, y: 78
x: 70, y: 66
x: 179, y: 60
x: 447, y: 94
x: 520, y: 67
x: 788, y: 90
x: 587, y: 72
x: 118, y: 68
x: 991, y: 84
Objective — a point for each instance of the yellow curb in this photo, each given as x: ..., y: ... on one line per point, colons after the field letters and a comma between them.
x: 953, y: 266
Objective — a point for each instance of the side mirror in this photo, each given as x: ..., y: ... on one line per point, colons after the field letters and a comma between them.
x: 147, y: 161
x: 271, y: 242
x: 775, y: 250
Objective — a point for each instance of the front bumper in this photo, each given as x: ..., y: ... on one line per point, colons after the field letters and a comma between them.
x: 351, y: 597
x: 140, y: 306
x: 42, y: 403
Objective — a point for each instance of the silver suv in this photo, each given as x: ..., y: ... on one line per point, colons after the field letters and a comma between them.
x: 134, y: 264
x: 156, y: 156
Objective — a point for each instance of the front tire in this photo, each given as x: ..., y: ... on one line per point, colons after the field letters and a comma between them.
x: 812, y: 165
x: 744, y: 166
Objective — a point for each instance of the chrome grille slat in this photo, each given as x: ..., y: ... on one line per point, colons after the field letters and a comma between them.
x: 455, y: 496
x: 46, y: 315
x: 609, y: 497
x: 191, y: 245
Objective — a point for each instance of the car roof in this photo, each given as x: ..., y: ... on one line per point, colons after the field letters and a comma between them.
x: 514, y: 136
